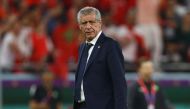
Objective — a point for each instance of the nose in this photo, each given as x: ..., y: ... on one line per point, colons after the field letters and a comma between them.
x: 88, y: 25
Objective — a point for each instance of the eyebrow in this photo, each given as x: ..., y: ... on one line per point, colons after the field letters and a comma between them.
x: 90, y: 21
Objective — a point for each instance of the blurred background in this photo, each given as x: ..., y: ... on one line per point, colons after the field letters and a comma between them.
x: 39, y: 36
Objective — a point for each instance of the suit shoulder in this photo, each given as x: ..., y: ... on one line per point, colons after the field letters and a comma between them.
x: 81, y: 45
x: 111, y: 41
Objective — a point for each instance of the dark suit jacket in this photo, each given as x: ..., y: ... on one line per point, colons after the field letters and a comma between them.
x: 136, y: 98
x: 104, y: 82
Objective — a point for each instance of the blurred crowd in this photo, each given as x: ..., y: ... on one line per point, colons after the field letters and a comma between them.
x: 37, y: 35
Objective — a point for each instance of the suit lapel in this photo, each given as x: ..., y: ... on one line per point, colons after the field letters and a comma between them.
x: 80, y: 55
x: 80, y: 52
x: 95, y: 51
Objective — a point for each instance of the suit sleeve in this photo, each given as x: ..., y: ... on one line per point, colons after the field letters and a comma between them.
x: 115, y: 63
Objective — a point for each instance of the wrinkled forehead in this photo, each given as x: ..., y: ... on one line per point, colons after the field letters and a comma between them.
x: 88, y: 17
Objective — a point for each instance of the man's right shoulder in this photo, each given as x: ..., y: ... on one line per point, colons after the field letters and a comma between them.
x: 81, y: 46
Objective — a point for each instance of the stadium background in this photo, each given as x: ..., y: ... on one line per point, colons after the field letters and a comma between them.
x: 48, y: 39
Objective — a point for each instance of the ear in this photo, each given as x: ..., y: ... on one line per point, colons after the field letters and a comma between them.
x: 100, y: 23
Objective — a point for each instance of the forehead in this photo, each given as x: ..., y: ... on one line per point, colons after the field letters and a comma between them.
x: 88, y: 17
x: 147, y: 64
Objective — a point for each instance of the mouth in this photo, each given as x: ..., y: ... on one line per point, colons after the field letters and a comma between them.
x: 88, y: 33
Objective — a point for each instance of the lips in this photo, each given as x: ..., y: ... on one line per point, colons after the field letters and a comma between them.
x: 88, y: 32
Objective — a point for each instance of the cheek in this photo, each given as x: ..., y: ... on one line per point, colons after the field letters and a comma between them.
x: 96, y: 28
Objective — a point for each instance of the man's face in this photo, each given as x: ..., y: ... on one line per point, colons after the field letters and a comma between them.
x: 89, y: 26
x: 47, y: 80
x: 146, y: 70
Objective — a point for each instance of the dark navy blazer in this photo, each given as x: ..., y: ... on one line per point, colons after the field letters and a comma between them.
x: 103, y: 81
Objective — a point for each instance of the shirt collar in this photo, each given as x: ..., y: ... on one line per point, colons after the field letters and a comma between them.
x: 95, y: 39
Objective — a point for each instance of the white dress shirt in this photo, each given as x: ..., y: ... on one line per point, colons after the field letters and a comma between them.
x: 89, y: 53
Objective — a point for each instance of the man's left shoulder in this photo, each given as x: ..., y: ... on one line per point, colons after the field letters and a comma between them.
x: 110, y: 40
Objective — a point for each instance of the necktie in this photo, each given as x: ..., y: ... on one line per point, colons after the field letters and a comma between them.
x: 81, y: 71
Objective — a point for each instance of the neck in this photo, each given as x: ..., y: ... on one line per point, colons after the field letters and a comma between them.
x: 145, y: 79
x: 48, y: 87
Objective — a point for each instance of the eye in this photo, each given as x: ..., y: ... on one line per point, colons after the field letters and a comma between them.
x: 92, y: 22
x: 84, y: 23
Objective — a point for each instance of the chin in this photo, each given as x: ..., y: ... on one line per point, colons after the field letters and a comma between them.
x: 90, y: 37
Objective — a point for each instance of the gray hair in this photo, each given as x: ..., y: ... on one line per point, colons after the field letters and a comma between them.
x: 87, y: 11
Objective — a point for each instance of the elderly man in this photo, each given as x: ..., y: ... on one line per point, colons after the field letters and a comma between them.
x: 100, y: 81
